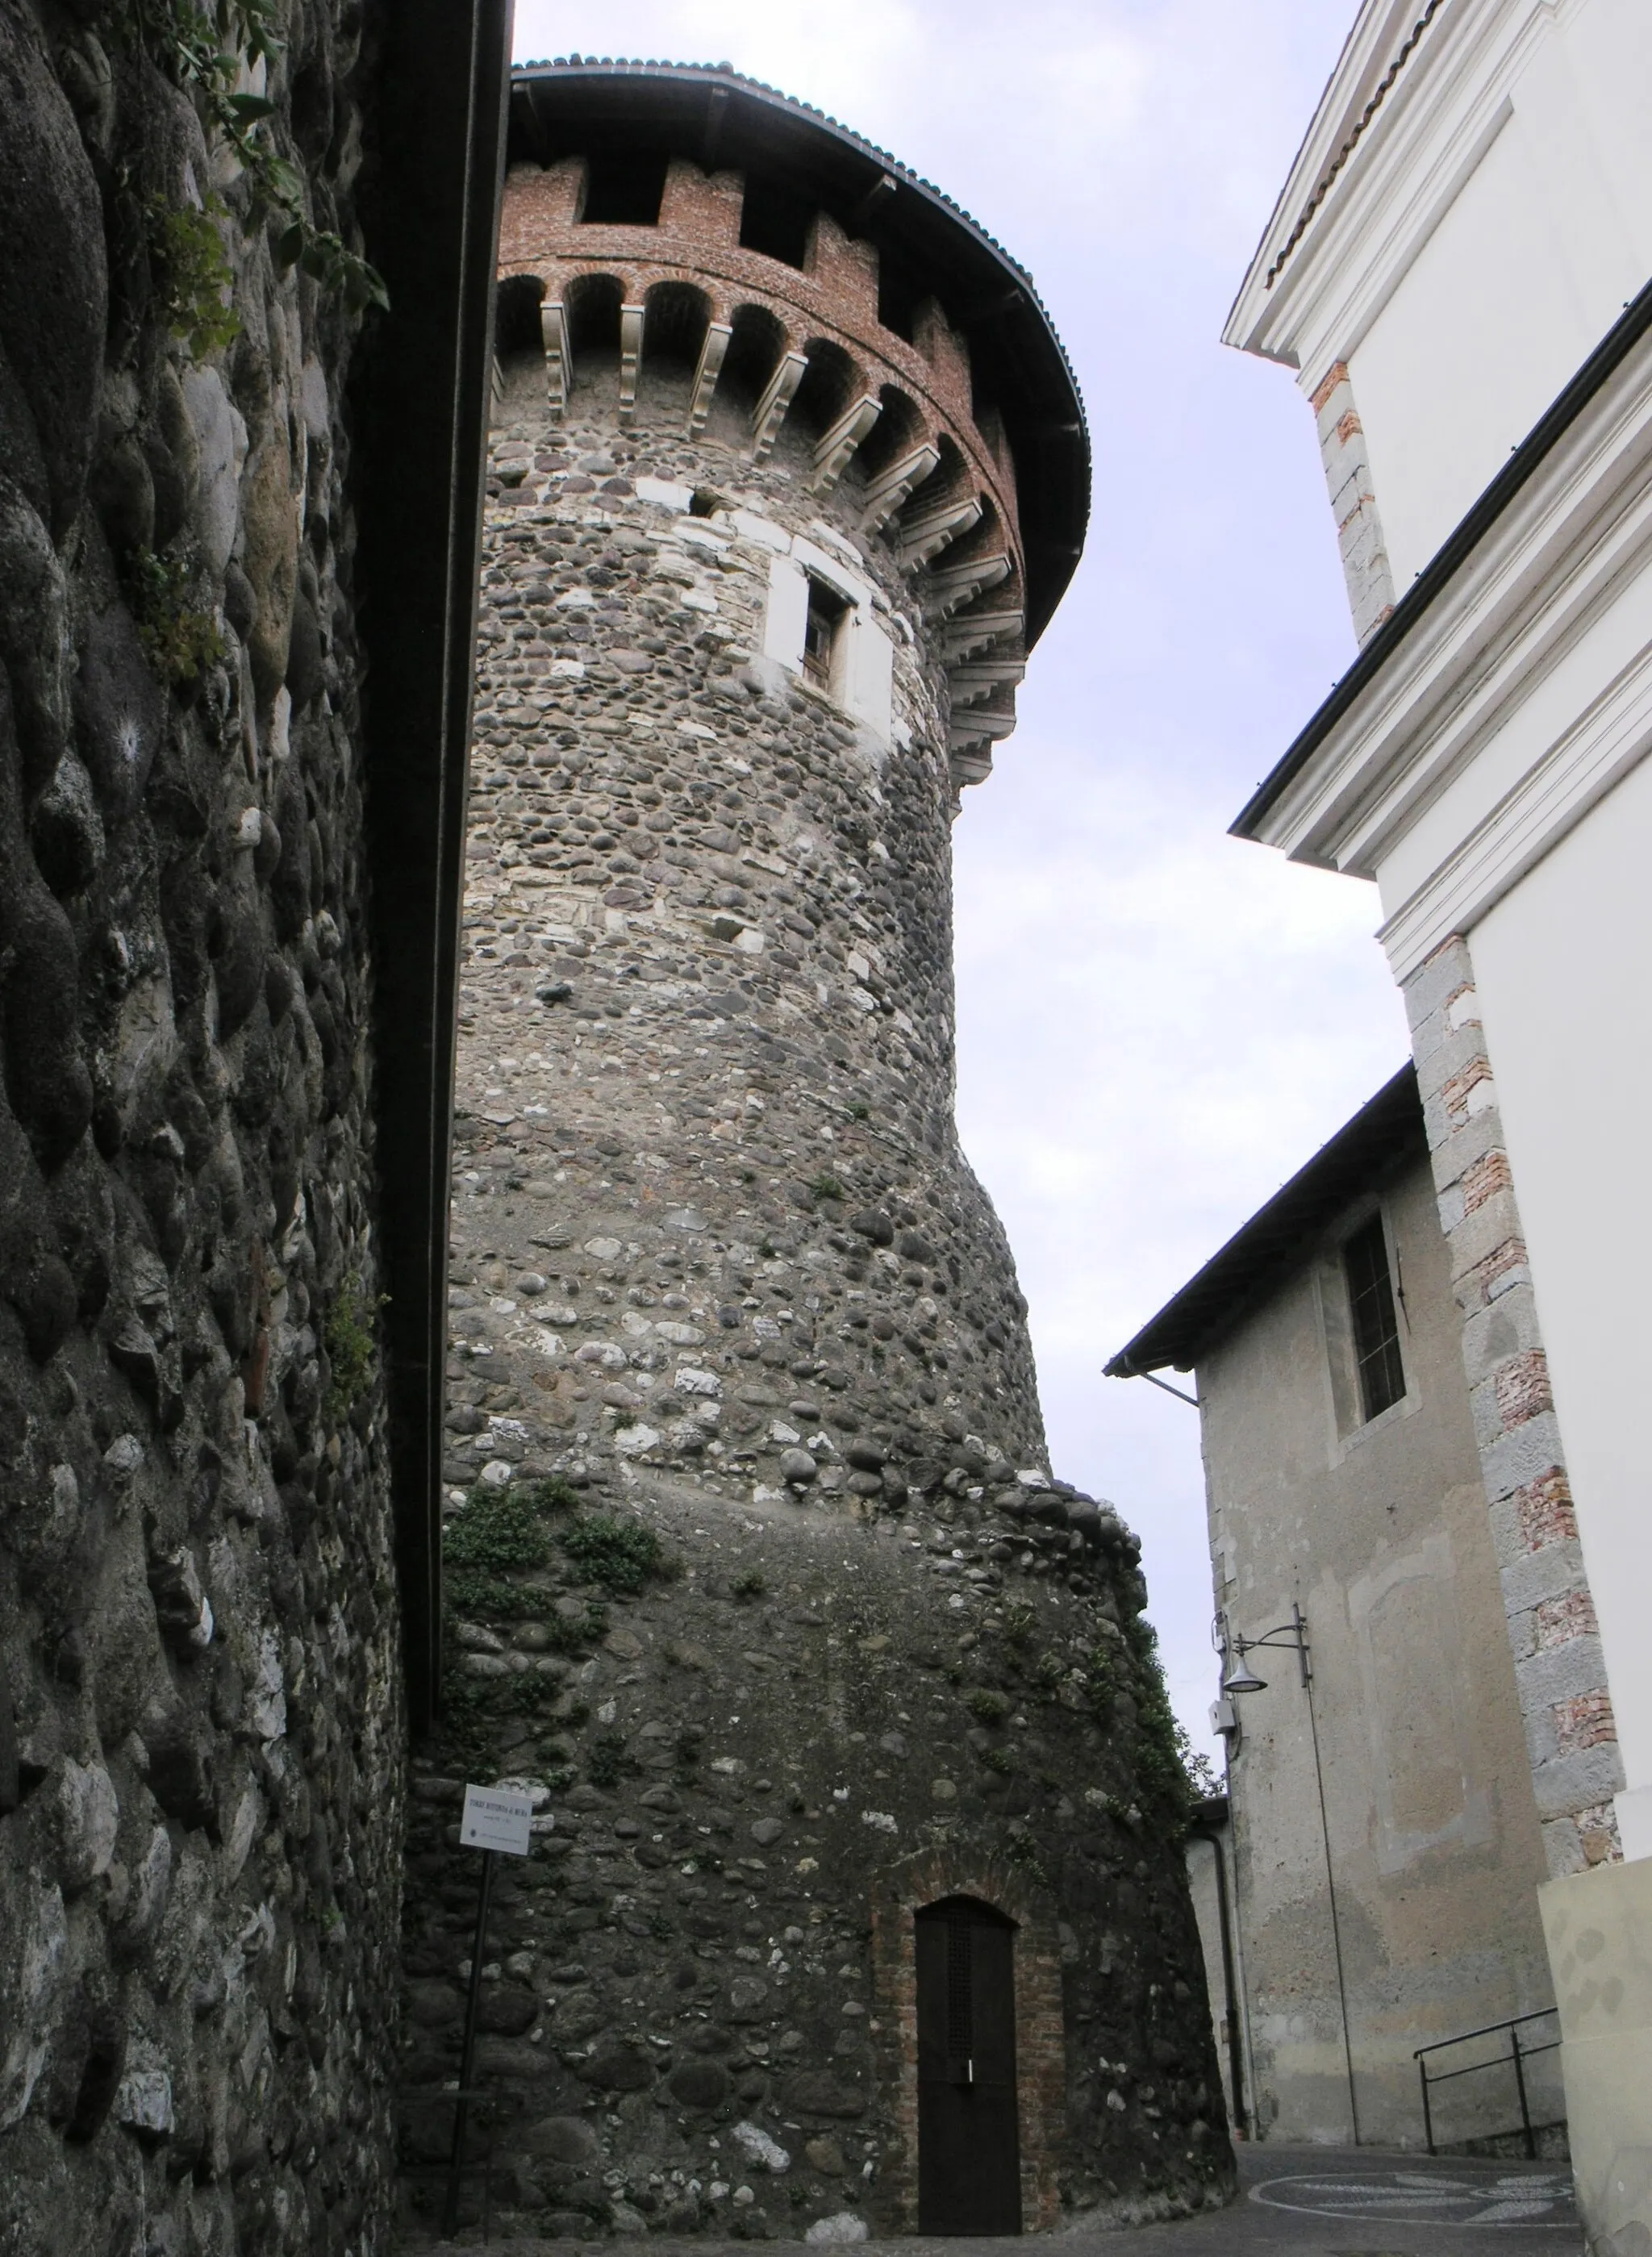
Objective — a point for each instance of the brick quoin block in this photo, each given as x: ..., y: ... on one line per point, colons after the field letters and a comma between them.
x: 1335, y: 374
x: 1511, y: 1254
x: 1488, y: 1175
x: 1523, y: 1388
x: 1584, y: 1721
x: 1544, y: 1511
x: 1457, y: 1094
x: 1559, y: 1621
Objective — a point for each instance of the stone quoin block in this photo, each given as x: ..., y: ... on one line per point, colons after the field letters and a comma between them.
x: 743, y: 1423
x: 1549, y: 1609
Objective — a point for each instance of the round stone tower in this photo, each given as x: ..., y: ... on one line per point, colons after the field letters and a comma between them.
x: 857, y: 1898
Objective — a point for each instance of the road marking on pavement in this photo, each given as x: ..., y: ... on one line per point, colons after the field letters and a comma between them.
x: 1517, y: 2199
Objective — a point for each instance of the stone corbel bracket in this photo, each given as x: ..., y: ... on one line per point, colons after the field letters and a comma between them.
x: 948, y: 589
x: 778, y: 395
x: 976, y: 631
x: 925, y: 535
x: 707, y: 371
x: 890, y: 488
x: 559, y: 360
x: 631, y: 326
x: 838, y: 445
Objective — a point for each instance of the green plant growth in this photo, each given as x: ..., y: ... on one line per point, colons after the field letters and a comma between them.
x: 748, y: 1584
x: 352, y: 1347
x: 1018, y: 1623
x: 607, y: 1759
x: 502, y: 1529
x: 204, y: 47
x: 1048, y: 1672
x: 1022, y: 1850
x: 987, y: 1707
x: 1198, y: 1769
x: 193, y: 277
x: 620, y: 1556
x: 1160, y: 1775
x: 1101, y: 1682
x: 179, y: 632
x: 825, y: 1187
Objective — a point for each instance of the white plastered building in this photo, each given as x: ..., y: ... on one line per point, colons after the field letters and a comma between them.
x: 1457, y: 273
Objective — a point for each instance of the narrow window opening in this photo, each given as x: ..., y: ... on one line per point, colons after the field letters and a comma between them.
x: 822, y: 633
x: 623, y: 191
x: 899, y: 295
x: 775, y: 220
x: 1376, y: 1330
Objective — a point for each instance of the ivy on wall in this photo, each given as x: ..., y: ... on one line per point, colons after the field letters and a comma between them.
x: 207, y: 52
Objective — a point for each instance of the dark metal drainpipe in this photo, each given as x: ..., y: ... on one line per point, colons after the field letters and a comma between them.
x: 1230, y: 1990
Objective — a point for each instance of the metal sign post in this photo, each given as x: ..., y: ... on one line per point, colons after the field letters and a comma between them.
x: 498, y: 1820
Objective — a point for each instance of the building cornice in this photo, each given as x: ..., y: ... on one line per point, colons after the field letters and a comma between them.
x: 1365, y: 220
x: 1536, y: 563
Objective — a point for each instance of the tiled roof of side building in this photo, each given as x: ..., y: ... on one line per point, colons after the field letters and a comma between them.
x: 1269, y: 1247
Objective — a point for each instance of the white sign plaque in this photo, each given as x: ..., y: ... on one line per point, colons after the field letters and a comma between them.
x: 496, y: 1818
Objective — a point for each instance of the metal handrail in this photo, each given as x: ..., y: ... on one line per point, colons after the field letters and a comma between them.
x: 1517, y: 2056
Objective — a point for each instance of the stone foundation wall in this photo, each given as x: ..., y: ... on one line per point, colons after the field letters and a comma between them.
x: 756, y: 1574
x: 200, y: 1753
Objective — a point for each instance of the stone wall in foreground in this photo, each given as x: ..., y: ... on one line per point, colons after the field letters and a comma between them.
x: 755, y: 1571
x: 201, y: 1749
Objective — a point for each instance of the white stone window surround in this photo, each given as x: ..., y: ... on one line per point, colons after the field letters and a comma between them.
x: 863, y: 655
x: 863, y: 661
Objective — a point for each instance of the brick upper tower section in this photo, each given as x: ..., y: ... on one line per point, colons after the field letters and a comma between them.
x: 689, y: 218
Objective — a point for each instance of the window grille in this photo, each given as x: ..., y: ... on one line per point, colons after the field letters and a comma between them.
x: 1376, y: 1329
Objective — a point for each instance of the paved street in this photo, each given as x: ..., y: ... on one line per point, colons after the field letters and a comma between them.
x: 1308, y: 2201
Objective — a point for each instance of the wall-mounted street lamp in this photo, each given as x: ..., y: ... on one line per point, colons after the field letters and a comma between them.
x: 1238, y: 1679
x: 1241, y: 1677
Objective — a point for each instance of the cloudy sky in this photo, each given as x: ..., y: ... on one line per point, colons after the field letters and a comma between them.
x: 1157, y: 1024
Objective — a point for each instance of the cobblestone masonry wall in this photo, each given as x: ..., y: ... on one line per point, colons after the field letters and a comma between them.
x: 1570, y: 1733
x: 201, y: 1756
x: 801, y: 1634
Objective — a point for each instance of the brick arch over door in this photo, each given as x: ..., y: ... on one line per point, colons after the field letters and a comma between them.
x: 1040, y: 2042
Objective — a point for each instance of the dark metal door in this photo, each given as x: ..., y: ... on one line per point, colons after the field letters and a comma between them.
x: 969, y: 2156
